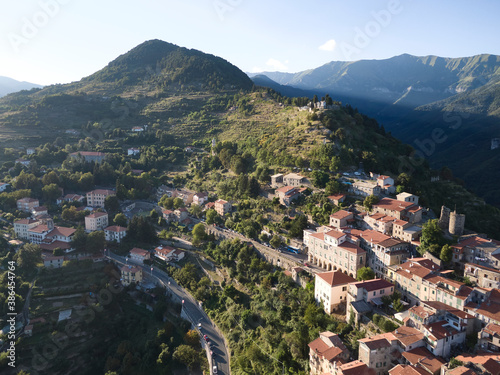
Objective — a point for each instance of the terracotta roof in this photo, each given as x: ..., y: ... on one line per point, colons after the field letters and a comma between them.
x: 482, y: 267
x: 393, y: 204
x: 55, y: 245
x: 51, y: 258
x: 39, y: 208
x: 480, y: 358
x: 342, y: 214
x: 335, y: 234
x: 320, y: 236
x: 140, y: 252
x: 352, y: 248
x: 390, y: 242
x: 492, y: 366
x: 356, y: 368
x: 27, y: 200
x: 379, y: 341
x: 407, y: 370
x: 220, y: 201
x: 439, y: 279
x: 414, y: 209
x: 408, y: 335
x: 372, y: 236
x: 39, y: 229
x: 164, y: 250
x: 334, y: 278
x: 424, y: 358
x: 440, y: 330
x: 400, y: 222
x: 128, y: 269
x: 452, y: 310
x: 462, y: 370
x: 375, y: 284
x: 421, y: 311
x: 62, y: 231
x: 25, y: 221
x: 492, y: 329
x: 115, y: 228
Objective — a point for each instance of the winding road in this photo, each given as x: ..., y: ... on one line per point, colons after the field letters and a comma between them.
x: 217, y: 353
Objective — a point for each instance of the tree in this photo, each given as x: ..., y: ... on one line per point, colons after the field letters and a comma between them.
x: 195, y: 210
x: 51, y: 192
x: 178, y: 203
x: 431, y: 235
x: 120, y: 219
x: 192, y: 338
x: 86, y: 181
x: 397, y: 305
x: 199, y: 234
x: 455, y: 363
x: 167, y: 202
x: 365, y: 273
x: 320, y: 179
x: 28, y: 257
x: 299, y: 223
x: 111, y: 203
x: 446, y: 253
x: 79, y: 240
x: 96, y: 242
x: 333, y: 187
x: 211, y: 216
x: 275, y: 241
x: 370, y: 201
x: 187, y: 355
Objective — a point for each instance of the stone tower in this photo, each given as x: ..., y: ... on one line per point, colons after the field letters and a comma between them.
x: 444, y: 220
x: 457, y: 223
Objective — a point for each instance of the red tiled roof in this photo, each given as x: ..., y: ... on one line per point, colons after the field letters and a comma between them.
x: 140, y: 252
x: 335, y: 234
x: 356, y: 368
x: 408, y: 335
x: 352, y: 248
x: 492, y: 329
x: 373, y: 236
x: 407, y: 370
x: 128, y: 269
x: 102, y: 192
x: 39, y: 228
x: 462, y: 370
x: 62, y: 231
x: 220, y: 201
x: 115, y: 228
x: 55, y: 245
x: 342, y: 214
x: 439, y: 330
x: 390, y: 242
x: 334, y: 278
x: 424, y: 358
x: 320, y: 236
x: 375, y: 284
x: 25, y: 221
x: 392, y: 204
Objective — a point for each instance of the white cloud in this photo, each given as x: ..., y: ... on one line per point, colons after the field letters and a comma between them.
x: 276, y: 64
x: 328, y: 46
x: 256, y: 69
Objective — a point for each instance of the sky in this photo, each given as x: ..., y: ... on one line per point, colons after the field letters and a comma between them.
x: 60, y: 41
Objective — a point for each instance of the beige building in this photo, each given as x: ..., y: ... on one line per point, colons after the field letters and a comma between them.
x: 139, y: 255
x: 399, y: 210
x: 379, y: 222
x: 405, y: 231
x: 294, y: 179
x: 333, y: 250
x: 27, y: 204
x: 287, y: 194
x: 131, y: 274
x: 489, y: 338
x: 115, y: 233
x: 366, y: 292
x: 337, y: 199
x: 96, y: 198
x: 22, y: 226
x: 330, y: 288
x: 382, y: 352
x: 341, y: 219
x: 96, y: 221
x: 276, y: 180
x: 222, y: 207
x: 89, y: 156
x: 365, y: 188
x: 325, y: 351
x: 483, y: 276
x: 407, y: 197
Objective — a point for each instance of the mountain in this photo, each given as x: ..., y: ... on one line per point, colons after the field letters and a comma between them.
x: 149, y: 80
x: 414, y: 95
x: 265, y: 81
x: 9, y: 85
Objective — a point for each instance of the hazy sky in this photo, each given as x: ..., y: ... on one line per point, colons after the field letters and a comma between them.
x: 59, y: 41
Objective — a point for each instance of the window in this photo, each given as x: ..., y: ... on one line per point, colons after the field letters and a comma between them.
x: 344, y: 288
x: 374, y: 293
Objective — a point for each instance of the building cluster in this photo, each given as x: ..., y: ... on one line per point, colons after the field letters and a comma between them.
x: 39, y: 228
x: 442, y: 314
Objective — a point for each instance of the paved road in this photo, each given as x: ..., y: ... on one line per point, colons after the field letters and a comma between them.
x: 194, y: 313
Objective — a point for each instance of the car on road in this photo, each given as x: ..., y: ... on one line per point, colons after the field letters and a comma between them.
x: 214, y: 369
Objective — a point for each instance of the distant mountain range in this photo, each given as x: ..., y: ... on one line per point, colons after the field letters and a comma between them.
x: 9, y: 85
x: 413, y: 96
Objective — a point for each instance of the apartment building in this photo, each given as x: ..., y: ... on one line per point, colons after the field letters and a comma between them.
x: 22, y: 226
x: 341, y: 219
x: 222, y: 207
x: 96, y: 221
x: 131, y: 274
x: 407, y: 211
x: 330, y: 288
x: 325, y: 351
x: 115, y: 233
x: 483, y: 276
x: 96, y: 198
x: 27, y: 204
x: 294, y: 179
x: 287, y: 194
x: 89, y: 156
x: 334, y: 250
